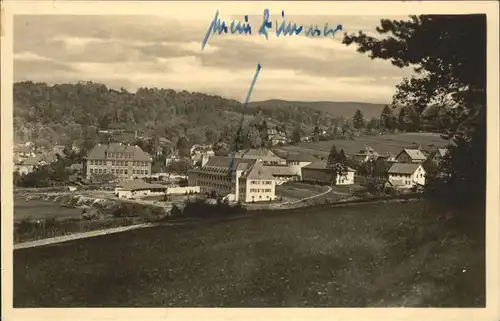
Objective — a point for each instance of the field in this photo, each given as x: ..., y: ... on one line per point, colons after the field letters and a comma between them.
x: 393, y: 144
x: 366, y: 255
x: 37, y: 209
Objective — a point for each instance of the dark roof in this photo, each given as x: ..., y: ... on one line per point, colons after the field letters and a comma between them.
x: 30, y: 161
x: 137, y: 184
x: 415, y: 154
x: 400, y: 168
x: 258, y: 172
x: 223, y: 161
x: 99, y: 151
x: 322, y: 165
x: 279, y: 170
x: 300, y: 157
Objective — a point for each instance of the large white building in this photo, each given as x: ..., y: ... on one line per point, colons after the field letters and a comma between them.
x: 403, y: 175
x: 246, y: 180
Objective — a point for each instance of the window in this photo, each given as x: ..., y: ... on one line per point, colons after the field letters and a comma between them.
x: 100, y: 171
x: 91, y: 171
x: 112, y: 171
x: 146, y: 172
x: 126, y: 171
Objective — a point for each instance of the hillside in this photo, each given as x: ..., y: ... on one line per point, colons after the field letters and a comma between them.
x: 335, y: 108
x: 73, y: 113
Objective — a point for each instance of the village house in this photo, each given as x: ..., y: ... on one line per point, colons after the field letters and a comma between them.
x: 389, y: 158
x: 172, y: 157
x: 296, y: 161
x: 404, y: 175
x: 137, y: 188
x: 317, y: 172
x: 248, y: 181
x: 199, y: 154
x: 121, y: 161
x: 22, y: 151
x: 365, y: 155
x: 437, y: 156
x: 411, y: 156
x: 25, y: 166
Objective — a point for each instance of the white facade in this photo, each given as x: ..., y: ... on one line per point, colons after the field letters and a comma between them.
x: 255, y: 190
x: 406, y: 179
x: 347, y: 179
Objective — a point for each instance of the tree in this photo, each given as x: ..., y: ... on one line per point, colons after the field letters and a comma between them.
x: 374, y: 123
x: 388, y: 121
x: 448, y: 55
x: 336, y: 163
x: 254, y: 138
x: 358, y: 120
x: 316, y: 133
x: 296, y: 134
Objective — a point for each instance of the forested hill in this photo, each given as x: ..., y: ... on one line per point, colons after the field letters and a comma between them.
x: 65, y: 112
x: 336, y: 108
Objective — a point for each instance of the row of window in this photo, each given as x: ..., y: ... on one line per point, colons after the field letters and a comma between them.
x: 261, y: 182
x: 406, y: 175
x: 215, y: 178
x: 117, y: 171
x: 260, y: 190
x: 117, y: 163
x: 213, y: 185
x: 119, y: 155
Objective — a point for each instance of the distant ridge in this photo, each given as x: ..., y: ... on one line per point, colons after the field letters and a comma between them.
x: 336, y: 108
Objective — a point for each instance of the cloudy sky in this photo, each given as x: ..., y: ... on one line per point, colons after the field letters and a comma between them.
x: 161, y: 51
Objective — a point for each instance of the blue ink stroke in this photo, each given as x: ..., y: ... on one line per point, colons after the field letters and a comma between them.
x: 247, y: 99
x: 216, y: 26
x: 266, y: 24
x: 329, y: 31
x: 289, y: 29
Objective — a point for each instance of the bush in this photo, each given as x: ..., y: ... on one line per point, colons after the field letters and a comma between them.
x: 199, y: 208
x: 91, y: 214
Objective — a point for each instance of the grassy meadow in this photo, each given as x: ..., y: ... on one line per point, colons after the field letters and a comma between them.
x: 370, y: 255
x: 40, y: 209
x: 392, y: 144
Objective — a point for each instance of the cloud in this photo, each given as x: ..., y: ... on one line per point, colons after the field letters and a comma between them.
x: 161, y: 51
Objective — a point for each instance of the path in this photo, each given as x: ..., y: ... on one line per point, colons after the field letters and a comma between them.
x: 311, y: 197
x: 76, y: 236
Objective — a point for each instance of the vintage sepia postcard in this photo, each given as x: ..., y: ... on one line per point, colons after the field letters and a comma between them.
x: 246, y: 155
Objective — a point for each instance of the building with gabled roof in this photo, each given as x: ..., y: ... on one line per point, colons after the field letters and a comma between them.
x: 438, y: 155
x: 138, y: 188
x: 245, y: 179
x: 409, y: 156
x: 297, y: 160
x: 262, y: 154
x: 405, y: 175
x: 121, y: 161
x: 317, y: 172
x: 365, y: 155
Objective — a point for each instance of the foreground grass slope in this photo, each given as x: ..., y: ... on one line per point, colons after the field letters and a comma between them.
x: 365, y: 255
